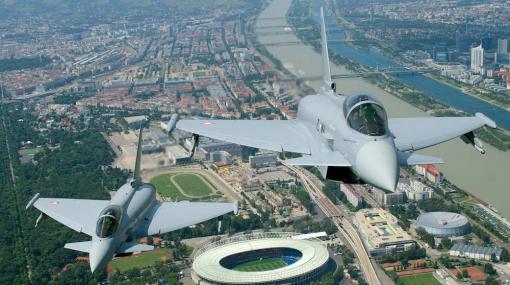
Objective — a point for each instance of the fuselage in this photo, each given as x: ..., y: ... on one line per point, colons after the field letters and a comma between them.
x: 127, y: 208
x: 371, y: 152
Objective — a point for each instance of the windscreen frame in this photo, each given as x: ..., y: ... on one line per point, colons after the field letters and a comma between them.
x: 375, y: 128
x: 114, y: 214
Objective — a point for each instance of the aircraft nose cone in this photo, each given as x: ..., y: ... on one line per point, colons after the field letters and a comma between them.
x: 98, y: 255
x: 377, y: 164
x: 94, y: 262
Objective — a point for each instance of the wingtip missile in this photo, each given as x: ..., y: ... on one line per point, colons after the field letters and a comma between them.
x: 470, y: 138
x: 32, y: 201
x: 170, y: 126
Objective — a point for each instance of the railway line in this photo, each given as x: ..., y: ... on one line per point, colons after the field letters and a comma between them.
x: 344, y: 225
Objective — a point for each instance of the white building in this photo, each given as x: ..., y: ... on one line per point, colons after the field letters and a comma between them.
x: 135, y: 122
x: 477, y: 58
x: 476, y: 252
x: 177, y: 154
x: 352, y: 196
x: 430, y: 172
x: 416, y: 191
x: 456, y: 71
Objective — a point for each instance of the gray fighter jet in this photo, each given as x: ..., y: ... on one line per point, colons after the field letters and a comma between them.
x: 133, y: 212
x: 349, y: 138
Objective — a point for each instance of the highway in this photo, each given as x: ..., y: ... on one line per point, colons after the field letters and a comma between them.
x: 343, y: 224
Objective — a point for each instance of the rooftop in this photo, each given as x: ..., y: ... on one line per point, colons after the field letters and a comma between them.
x: 207, y: 259
x: 442, y: 220
x: 380, y: 228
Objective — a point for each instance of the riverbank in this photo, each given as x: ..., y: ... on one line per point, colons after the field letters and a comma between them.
x: 361, y: 40
x: 465, y: 88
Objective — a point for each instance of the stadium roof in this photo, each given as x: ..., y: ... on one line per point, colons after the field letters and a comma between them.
x: 207, y: 262
x: 310, y: 235
x: 441, y: 220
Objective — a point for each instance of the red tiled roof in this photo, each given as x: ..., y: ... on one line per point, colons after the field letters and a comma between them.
x: 432, y: 169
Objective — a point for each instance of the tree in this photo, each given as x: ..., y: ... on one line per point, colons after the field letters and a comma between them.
x: 327, y: 279
x: 426, y: 237
x: 465, y: 273
x: 446, y: 243
x: 504, y: 255
x: 339, y: 274
x: 491, y: 280
x: 488, y: 268
x: 404, y: 262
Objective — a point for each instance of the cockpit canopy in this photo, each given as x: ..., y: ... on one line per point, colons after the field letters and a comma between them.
x: 366, y: 115
x: 108, y: 221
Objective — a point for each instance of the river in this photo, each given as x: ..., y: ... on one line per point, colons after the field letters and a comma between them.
x: 444, y: 93
x: 483, y: 176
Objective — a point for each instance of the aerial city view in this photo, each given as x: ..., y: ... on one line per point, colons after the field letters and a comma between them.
x: 255, y: 142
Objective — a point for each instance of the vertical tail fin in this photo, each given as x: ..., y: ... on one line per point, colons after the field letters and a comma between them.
x: 136, y: 173
x: 326, y: 71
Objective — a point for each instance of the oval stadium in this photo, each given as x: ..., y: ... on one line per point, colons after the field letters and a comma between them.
x: 263, y: 258
x: 444, y: 224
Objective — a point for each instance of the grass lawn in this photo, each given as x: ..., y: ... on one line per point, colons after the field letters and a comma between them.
x: 192, y: 185
x: 166, y: 188
x: 141, y: 260
x: 420, y: 279
x: 29, y: 151
x: 260, y: 265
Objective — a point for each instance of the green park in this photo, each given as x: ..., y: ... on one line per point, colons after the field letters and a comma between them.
x: 184, y: 186
x: 420, y: 279
x: 141, y: 260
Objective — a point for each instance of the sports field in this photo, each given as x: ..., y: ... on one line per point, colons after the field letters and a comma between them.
x: 193, y: 184
x: 141, y: 260
x: 184, y: 186
x: 264, y: 264
x: 29, y: 151
x: 420, y: 279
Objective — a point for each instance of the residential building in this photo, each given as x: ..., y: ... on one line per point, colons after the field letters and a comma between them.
x: 352, y: 196
x: 416, y: 190
x: 388, y: 198
x: 430, y: 172
x: 477, y: 54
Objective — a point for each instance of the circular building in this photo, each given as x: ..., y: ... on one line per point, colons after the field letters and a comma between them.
x: 444, y: 224
x: 264, y: 258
